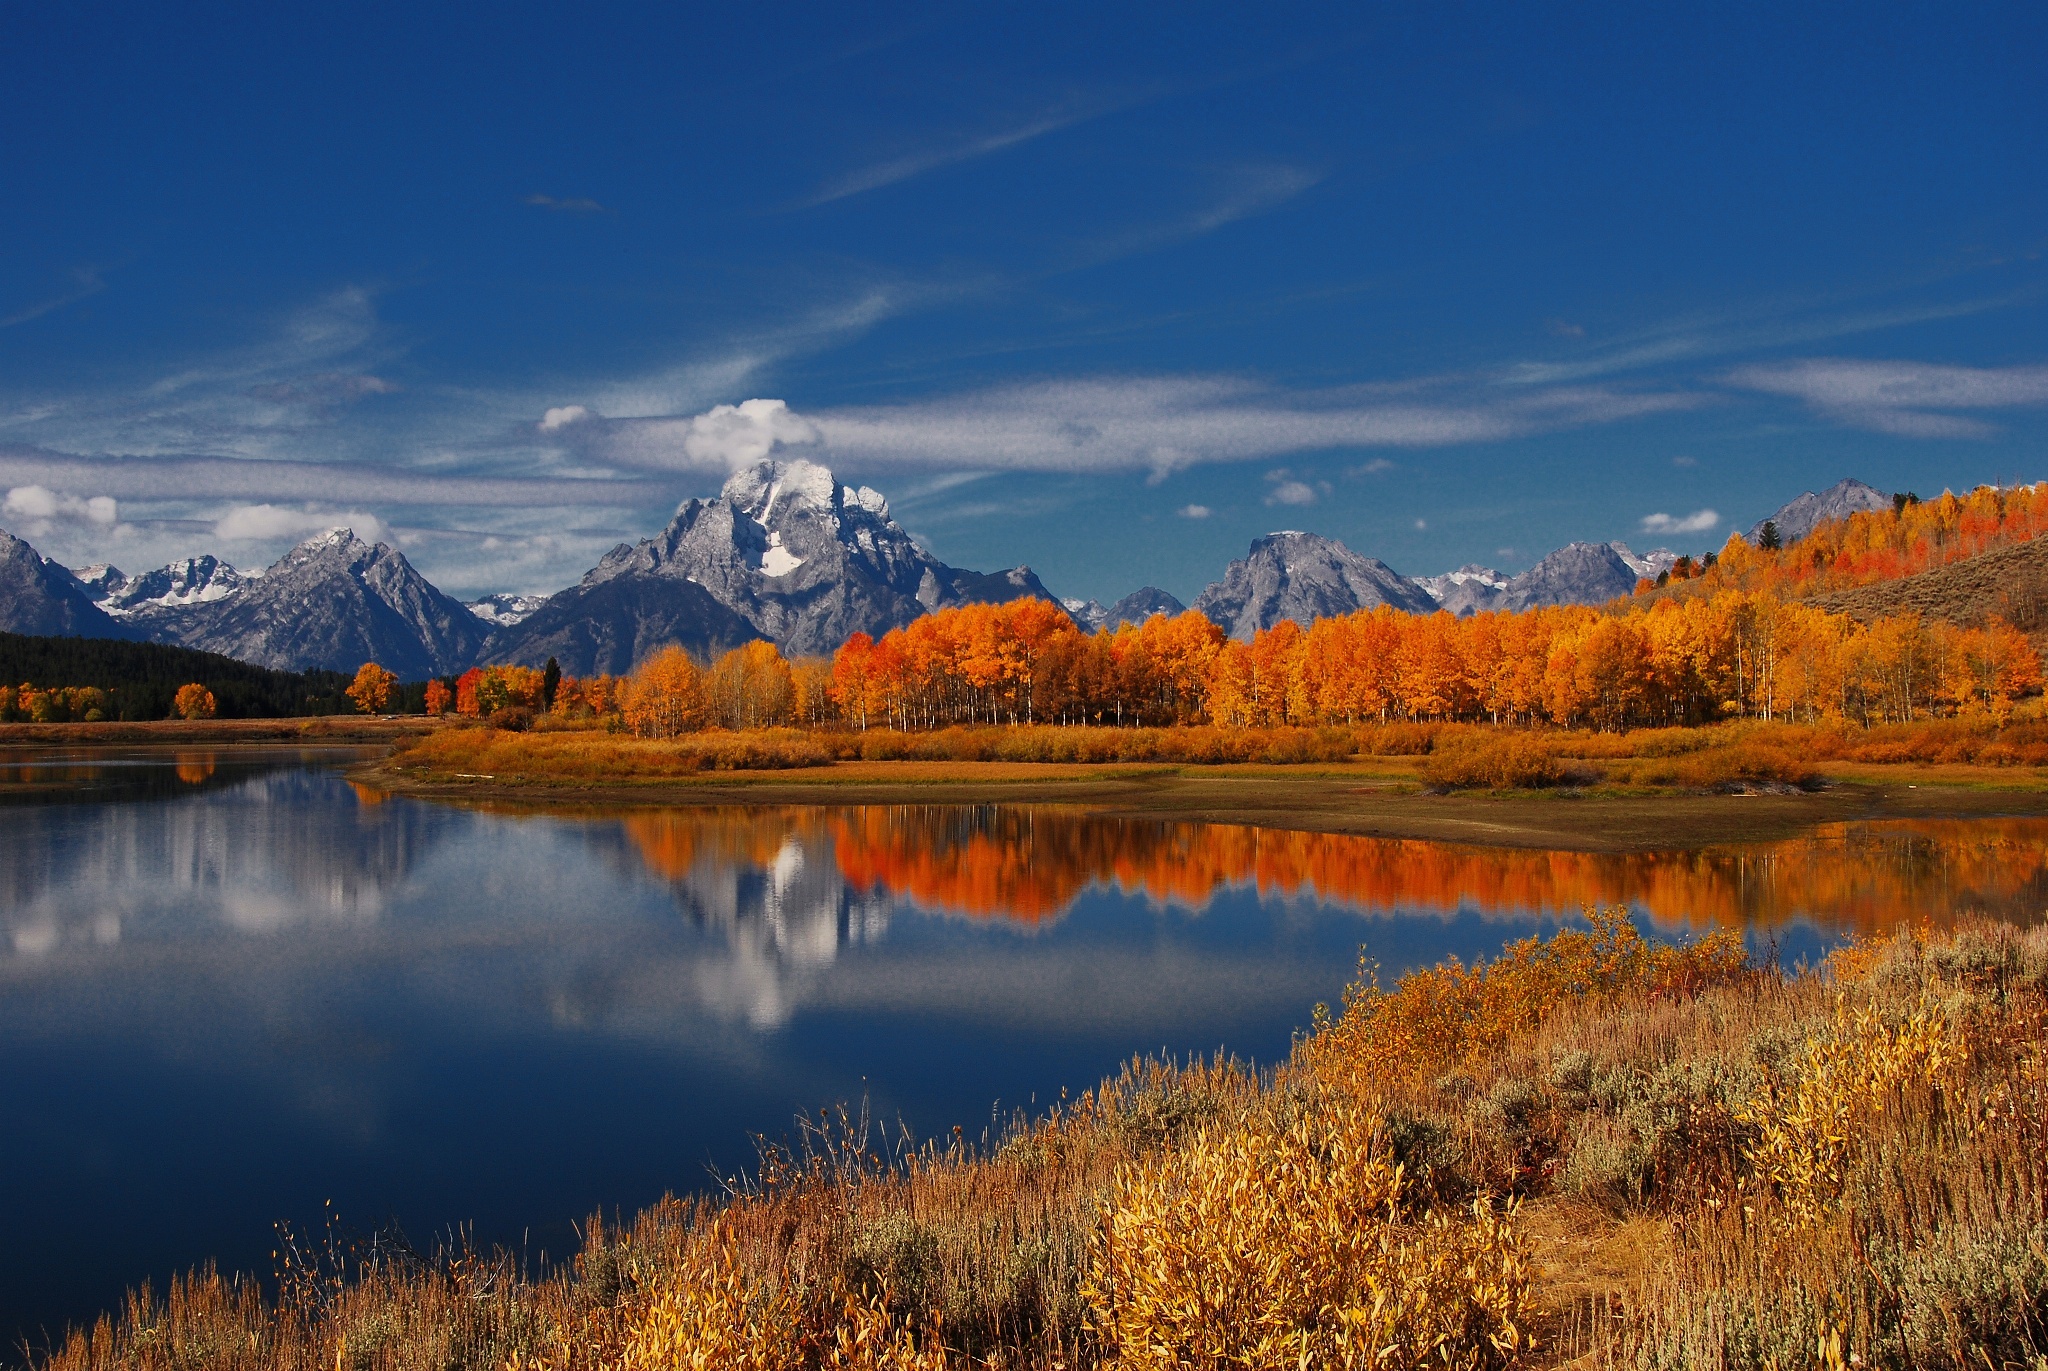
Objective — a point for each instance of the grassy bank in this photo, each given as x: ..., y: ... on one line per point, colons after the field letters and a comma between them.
x: 1441, y: 756
x: 1592, y: 1151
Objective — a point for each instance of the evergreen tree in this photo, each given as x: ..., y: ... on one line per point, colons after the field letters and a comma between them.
x: 1768, y: 539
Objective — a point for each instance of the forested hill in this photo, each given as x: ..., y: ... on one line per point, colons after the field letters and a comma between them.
x: 141, y: 678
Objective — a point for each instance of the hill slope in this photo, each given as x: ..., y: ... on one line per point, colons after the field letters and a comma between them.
x: 2009, y: 583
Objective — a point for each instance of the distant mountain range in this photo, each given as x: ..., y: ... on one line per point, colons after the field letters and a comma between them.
x: 785, y: 552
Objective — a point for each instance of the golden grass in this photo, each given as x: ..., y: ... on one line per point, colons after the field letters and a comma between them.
x: 1728, y: 757
x: 1590, y: 1151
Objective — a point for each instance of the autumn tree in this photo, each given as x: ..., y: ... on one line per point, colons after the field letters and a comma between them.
x: 439, y: 696
x: 751, y: 687
x: 371, y: 689
x: 665, y: 695
x: 193, y: 701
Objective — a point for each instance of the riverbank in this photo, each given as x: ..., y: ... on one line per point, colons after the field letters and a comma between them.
x: 1592, y: 1151
x: 1374, y: 796
x: 391, y: 730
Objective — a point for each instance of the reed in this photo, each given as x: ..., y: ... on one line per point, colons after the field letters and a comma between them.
x: 1592, y: 1150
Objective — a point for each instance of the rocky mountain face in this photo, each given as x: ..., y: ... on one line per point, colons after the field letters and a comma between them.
x: 1303, y: 577
x: 194, y: 581
x: 1583, y: 574
x: 785, y: 551
x: 1140, y: 605
x: 1797, y: 518
x: 333, y: 602
x: 38, y: 596
x: 1576, y: 574
x: 504, y: 610
x: 1468, y: 590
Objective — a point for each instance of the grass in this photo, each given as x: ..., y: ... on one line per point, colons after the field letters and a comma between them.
x: 1591, y: 1151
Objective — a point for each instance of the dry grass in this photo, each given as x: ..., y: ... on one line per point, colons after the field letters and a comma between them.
x: 1728, y: 757
x: 1590, y: 1151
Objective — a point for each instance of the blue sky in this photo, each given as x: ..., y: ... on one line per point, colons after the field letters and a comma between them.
x: 1105, y: 289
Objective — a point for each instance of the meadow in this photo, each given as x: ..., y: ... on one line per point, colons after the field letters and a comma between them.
x: 1592, y: 1151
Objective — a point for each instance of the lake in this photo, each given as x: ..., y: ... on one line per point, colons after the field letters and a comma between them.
x: 235, y: 987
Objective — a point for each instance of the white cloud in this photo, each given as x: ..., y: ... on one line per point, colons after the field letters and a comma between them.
x: 734, y: 436
x: 1291, y: 493
x: 561, y: 417
x: 1194, y: 511
x: 1894, y: 397
x: 268, y: 523
x: 1421, y: 525
x: 1699, y: 521
x: 1682, y: 462
x: 1378, y: 466
x: 42, y: 505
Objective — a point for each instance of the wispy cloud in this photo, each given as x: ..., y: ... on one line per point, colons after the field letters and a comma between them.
x: 85, y: 282
x: 905, y: 166
x: 1699, y: 521
x: 1896, y: 397
x: 1163, y: 424
x: 1761, y: 327
x: 1194, y: 511
x: 575, y: 204
x: 176, y: 478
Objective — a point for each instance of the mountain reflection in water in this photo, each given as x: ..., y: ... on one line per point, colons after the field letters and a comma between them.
x: 234, y: 985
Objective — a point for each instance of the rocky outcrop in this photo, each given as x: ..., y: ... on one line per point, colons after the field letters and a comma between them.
x: 1303, y: 577
x: 1140, y: 605
x: 194, y: 581
x: 1797, y: 518
x: 38, y: 596
x: 784, y: 551
x: 333, y: 602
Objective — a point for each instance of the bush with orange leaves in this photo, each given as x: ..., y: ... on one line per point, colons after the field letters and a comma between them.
x: 1260, y: 1247
x: 1469, y: 759
x: 1450, y: 1015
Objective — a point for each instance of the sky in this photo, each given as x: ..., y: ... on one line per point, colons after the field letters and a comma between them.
x: 1105, y: 289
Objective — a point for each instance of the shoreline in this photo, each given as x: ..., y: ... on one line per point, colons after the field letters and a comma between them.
x: 1377, y: 799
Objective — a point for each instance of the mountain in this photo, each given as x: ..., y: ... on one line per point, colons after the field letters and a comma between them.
x: 1797, y: 519
x: 1583, y: 574
x: 784, y: 551
x: 504, y: 609
x: 1087, y: 615
x: 1577, y: 574
x: 38, y: 596
x: 333, y: 603
x: 196, y: 580
x: 1468, y: 590
x: 1303, y: 577
x: 605, y: 627
x: 1140, y: 605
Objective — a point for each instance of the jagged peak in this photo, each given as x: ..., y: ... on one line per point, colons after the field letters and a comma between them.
x: 757, y: 491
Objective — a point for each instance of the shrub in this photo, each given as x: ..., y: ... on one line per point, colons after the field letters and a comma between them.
x: 1491, y: 761
x: 1264, y: 1247
x: 512, y: 718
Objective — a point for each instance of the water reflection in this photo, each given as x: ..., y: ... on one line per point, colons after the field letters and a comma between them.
x: 233, y: 984
x: 1030, y: 865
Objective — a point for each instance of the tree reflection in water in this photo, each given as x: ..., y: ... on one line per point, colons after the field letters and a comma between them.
x: 1029, y: 865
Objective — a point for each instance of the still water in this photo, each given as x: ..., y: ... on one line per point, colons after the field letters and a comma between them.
x: 234, y: 986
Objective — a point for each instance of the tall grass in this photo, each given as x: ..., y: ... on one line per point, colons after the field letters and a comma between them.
x: 1845, y: 1165
x: 1736, y: 756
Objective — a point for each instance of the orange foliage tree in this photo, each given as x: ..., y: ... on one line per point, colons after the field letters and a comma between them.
x: 194, y: 701
x: 371, y: 689
x: 665, y: 695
